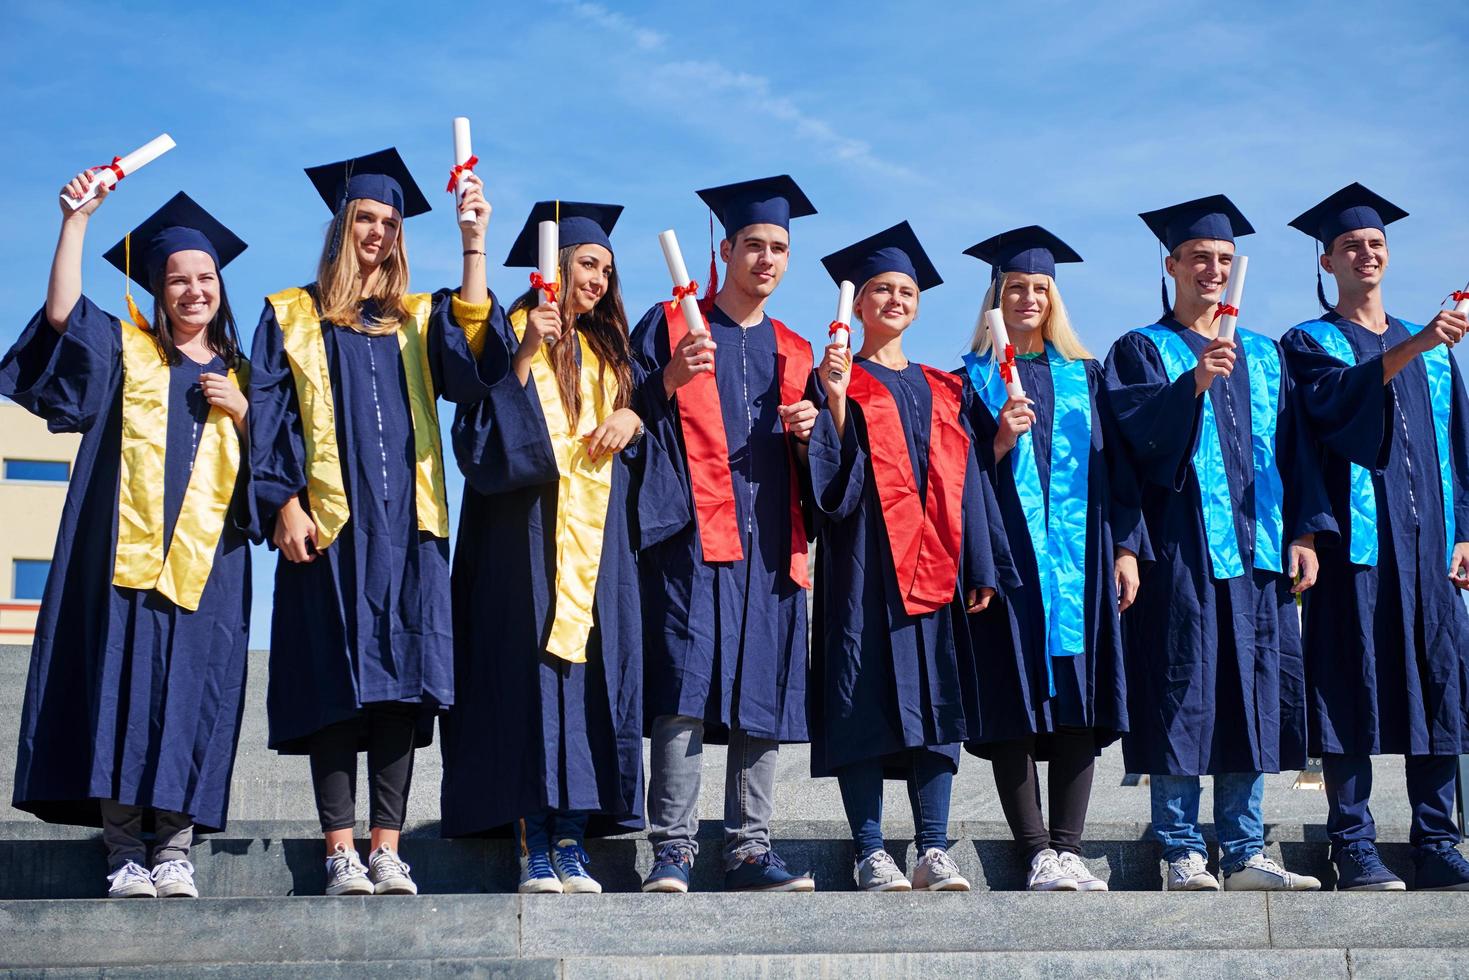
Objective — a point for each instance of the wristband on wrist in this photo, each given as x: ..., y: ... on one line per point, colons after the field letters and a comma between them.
x: 474, y: 251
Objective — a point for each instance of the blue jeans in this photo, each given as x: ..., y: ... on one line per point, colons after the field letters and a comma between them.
x: 1237, y: 817
x: 539, y: 829
x: 930, y: 782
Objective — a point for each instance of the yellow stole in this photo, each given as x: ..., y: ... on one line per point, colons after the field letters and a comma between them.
x: 301, y: 334
x: 141, y: 563
x: 582, y: 494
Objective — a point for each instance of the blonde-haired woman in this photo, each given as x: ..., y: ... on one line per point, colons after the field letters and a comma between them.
x: 1051, y: 683
x: 344, y: 432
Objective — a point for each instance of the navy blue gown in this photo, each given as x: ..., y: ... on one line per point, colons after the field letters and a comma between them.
x: 369, y: 620
x: 530, y: 731
x: 884, y: 683
x: 129, y: 697
x: 1215, y: 677
x: 1387, y: 647
x: 1010, y: 637
x: 726, y: 642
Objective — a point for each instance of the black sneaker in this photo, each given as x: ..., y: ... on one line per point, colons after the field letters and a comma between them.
x: 1440, y: 868
x: 1359, y: 869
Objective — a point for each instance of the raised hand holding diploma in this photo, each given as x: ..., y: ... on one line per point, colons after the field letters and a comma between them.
x: 109, y: 174
x: 1228, y: 312
x: 1004, y: 352
x: 464, y: 161
x: 685, y: 290
x: 841, y: 328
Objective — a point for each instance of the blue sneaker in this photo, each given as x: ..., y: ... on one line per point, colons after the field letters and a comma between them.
x: 537, y: 877
x: 570, y: 863
x: 672, y: 864
x: 1440, y: 868
x: 1359, y: 869
x: 766, y: 873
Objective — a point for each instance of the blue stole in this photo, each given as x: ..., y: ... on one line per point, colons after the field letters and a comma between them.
x: 1057, y: 518
x: 1263, y: 363
x: 1363, y: 495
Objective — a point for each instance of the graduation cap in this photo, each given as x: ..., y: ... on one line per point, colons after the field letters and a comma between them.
x: 1352, y: 208
x: 1031, y: 250
x: 577, y: 223
x: 895, y: 249
x: 180, y: 225
x: 380, y: 176
x: 767, y: 201
x: 1213, y: 217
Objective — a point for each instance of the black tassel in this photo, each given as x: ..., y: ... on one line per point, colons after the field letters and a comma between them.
x: 1163, y: 289
x: 1320, y: 292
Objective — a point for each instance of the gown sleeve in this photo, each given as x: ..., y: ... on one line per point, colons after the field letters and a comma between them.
x: 987, y: 562
x: 277, y: 447
x: 1159, y: 420
x: 1307, y: 506
x: 664, y: 496
x: 1459, y: 445
x: 838, y: 465
x: 1125, y: 495
x: 71, y: 378
x: 465, y: 366
x: 1346, y: 408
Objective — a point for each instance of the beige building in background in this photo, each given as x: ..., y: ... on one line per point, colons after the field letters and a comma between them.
x: 35, y: 471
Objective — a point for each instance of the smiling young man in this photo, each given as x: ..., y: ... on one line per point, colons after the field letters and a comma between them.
x: 1213, y: 643
x: 725, y: 540
x: 1387, y: 637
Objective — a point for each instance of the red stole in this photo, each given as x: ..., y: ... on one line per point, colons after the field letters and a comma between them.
x: 707, y: 449
x: 925, y: 535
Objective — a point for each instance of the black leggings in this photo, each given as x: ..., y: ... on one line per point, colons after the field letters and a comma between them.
x: 390, y: 731
x: 1073, y: 756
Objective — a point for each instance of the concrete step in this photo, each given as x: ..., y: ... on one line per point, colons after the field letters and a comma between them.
x: 1203, y: 935
x: 265, y: 858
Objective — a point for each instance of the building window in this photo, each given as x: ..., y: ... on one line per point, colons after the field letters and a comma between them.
x: 45, y: 470
x: 30, y: 578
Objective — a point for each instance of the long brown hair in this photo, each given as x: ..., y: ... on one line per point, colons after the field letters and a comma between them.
x: 339, y: 280
x: 220, y: 334
x: 605, y: 328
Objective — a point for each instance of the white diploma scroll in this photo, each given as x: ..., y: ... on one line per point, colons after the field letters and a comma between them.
x: 1233, y: 293
x: 689, y: 303
x: 136, y: 160
x: 1003, y: 353
x: 463, y: 151
x: 550, y: 249
x: 841, y: 327
x: 1463, y: 305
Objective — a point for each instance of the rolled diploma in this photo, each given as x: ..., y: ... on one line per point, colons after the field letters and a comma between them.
x: 462, y: 152
x: 1463, y: 305
x: 999, y: 341
x: 549, y: 249
x: 134, y: 161
x: 1233, y: 293
x: 680, y: 273
x: 843, y: 334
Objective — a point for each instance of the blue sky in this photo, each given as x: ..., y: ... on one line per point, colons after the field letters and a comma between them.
x: 964, y: 118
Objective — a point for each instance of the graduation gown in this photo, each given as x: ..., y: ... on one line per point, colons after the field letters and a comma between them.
x: 1387, y: 646
x: 369, y: 620
x: 129, y: 696
x: 530, y: 730
x: 884, y: 682
x: 726, y: 642
x: 1215, y: 677
x: 1020, y: 694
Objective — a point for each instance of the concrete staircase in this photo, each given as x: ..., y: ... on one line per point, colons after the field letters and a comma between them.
x: 262, y: 915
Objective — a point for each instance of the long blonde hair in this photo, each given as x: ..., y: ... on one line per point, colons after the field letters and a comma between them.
x: 339, y: 281
x: 1057, y: 328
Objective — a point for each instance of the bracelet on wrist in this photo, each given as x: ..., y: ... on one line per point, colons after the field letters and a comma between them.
x: 474, y: 251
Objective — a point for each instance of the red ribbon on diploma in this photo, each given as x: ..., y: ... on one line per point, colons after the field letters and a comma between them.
x: 113, y: 166
x: 460, y: 168
x: 1459, y: 296
x: 1224, y: 309
x: 549, y: 288
x: 679, y: 292
x: 836, y: 325
x: 1007, y: 366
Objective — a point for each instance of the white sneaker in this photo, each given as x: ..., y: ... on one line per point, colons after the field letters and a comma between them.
x: 132, y: 880
x: 570, y: 863
x: 345, y: 874
x: 937, y: 872
x: 537, y: 876
x: 389, y: 873
x: 1260, y: 874
x: 175, y: 879
x: 1075, y: 868
x: 1190, y: 873
x: 878, y: 872
x: 1048, y: 875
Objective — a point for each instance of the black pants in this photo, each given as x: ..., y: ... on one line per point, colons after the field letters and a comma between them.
x: 390, y: 730
x: 1073, y: 756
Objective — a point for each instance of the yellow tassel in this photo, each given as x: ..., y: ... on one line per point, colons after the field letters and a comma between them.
x: 139, y: 321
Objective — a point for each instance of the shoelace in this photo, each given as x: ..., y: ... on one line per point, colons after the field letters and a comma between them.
x: 771, y: 860
x: 1452, y: 855
x: 1074, y: 867
x: 1192, y: 865
x: 671, y: 854
x: 173, y: 871
x: 391, y: 864
x: 132, y: 871
x: 882, y: 865
x: 1046, y: 869
x: 345, y: 864
x: 1367, y: 858
x: 1263, y: 863
x: 573, y: 860
x: 538, y: 865
x: 939, y: 860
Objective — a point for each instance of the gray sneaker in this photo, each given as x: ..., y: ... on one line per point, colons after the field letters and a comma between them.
x: 1073, y: 867
x: 937, y: 872
x: 1260, y: 874
x: 878, y: 872
x: 132, y: 880
x: 345, y: 874
x: 1190, y: 873
x: 1048, y: 875
x: 175, y: 879
x: 389, y: 873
